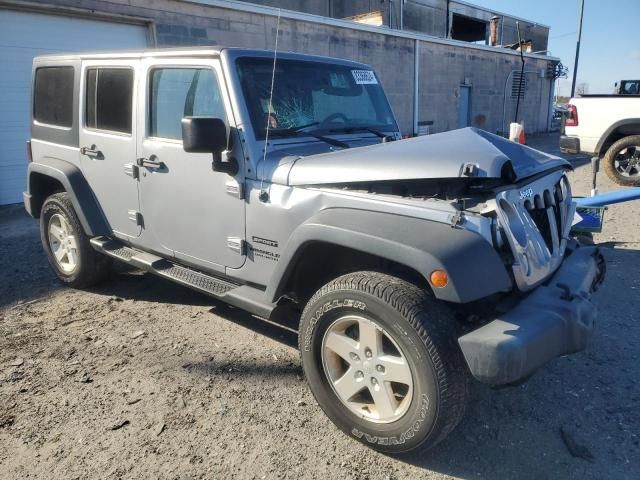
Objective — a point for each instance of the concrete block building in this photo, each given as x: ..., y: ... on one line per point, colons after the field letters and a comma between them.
x: 443, y: 63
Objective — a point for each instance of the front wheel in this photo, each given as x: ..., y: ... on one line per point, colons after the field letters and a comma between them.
x: 622, y: 161
x: 382, y: 360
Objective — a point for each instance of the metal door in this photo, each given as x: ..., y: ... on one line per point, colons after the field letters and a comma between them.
x: 464, y: 106
x: 22, y: 36
x: 190, y: 211
x: 108, y: 141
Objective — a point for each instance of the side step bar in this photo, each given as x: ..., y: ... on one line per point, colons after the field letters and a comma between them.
x: 241, y: 296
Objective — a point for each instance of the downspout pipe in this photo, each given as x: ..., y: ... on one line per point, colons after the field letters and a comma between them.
x: 416, y: 85
x: 550, y: 111
x: 446, y: 22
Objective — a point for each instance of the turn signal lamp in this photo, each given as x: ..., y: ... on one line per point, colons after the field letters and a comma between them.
x: 439, y: 278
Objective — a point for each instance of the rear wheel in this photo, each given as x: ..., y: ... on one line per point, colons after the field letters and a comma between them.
x: 382, y: 360
x: 622, y: 161
x: 67, y: 246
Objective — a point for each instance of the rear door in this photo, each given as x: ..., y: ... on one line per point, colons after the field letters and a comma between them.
x: 108, y: 141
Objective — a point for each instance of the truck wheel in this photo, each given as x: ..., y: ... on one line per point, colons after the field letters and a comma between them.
x: 622, y: 161
x: 67, y: 247
x: 382, y: 360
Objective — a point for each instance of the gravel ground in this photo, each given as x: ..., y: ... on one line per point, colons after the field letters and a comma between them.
x: 141, y: 378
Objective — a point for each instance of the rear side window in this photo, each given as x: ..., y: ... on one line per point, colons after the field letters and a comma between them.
x: 181, y: 92
x: 53, y: 96
x: 109, y: 100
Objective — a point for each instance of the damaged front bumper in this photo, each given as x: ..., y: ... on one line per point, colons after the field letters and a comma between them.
x: 557, y: 318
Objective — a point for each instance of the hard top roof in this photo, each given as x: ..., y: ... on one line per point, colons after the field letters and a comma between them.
x: 232, y: 52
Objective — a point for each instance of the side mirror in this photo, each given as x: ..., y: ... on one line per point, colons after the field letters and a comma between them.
x: 209, y: 135
x: 204, y: 135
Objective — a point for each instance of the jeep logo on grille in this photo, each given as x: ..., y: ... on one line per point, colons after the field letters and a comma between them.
x: 526, y: 193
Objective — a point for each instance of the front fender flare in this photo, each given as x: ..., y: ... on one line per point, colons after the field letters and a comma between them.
x: 475, y: 270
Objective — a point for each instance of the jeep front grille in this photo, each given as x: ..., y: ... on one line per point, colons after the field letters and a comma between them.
x: 536, y: 220
x: 545, y: 210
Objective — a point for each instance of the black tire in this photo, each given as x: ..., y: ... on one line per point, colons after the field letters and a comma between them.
x: 91, y: 267
x: 585, y: 238
x: 425, y: 331
x: 610, y: 159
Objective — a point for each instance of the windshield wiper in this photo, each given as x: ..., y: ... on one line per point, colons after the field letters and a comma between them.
x: 302, y: 127
x: 295, y: 129
x: 377, y: 133
x: 297, y: 132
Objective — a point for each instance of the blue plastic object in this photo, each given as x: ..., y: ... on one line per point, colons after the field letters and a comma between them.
x: 610, y: 198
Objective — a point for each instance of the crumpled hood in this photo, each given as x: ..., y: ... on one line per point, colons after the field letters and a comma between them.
x: 442, y: 155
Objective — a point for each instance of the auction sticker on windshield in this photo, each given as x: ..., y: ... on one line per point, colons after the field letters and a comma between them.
x: 364, y: 77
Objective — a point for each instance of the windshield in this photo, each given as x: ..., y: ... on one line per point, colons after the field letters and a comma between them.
x: 325, y: 96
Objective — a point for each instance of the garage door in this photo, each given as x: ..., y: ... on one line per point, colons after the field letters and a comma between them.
x: 22, y: 36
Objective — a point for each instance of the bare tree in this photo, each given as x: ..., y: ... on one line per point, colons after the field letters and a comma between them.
x: 582, y: 88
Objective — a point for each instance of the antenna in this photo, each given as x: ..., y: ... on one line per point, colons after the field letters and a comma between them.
x: 264, y: 196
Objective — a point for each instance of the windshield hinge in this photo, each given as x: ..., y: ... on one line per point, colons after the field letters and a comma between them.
x: 469, y: 170
x: 457, y: 219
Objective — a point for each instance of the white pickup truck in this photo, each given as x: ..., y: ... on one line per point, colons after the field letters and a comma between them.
x: 608, y: 127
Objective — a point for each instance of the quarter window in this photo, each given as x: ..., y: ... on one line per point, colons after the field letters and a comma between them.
x: 53, y: 96
x: 109, y: 99
x: 182, y: 92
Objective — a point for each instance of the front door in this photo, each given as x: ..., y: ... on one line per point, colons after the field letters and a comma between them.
x: 108, y: 142
x: 189, y: 210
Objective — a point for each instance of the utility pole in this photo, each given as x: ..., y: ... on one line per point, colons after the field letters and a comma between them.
x: 575, y: 65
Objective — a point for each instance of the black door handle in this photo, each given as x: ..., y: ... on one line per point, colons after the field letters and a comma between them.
x: 91, y: 151
x: 151, y: 162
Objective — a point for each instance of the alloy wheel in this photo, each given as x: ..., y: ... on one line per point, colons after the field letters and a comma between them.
x: 627, y: 161
x: 63, y: 243
x: 367, y: 369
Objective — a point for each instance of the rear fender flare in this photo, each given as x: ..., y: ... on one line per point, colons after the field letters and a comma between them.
x: 72, y: 180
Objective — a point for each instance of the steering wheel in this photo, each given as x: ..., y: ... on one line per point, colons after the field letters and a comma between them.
x: 334, y: 116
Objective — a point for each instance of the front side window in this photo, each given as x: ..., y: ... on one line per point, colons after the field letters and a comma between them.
x: 109, y: 99
x: 182, y: 92
x: 53, y: 96
x: 325, y: 95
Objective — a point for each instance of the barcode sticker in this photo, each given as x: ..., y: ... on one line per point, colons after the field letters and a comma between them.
x: 364, y: 77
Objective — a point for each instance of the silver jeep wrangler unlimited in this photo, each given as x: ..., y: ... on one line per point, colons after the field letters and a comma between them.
x: 281, y: 184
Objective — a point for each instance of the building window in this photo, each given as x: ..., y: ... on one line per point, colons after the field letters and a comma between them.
x: 468, y: 29
x: 109, y: 99
x: 53, y: 96
x: 182, y: 92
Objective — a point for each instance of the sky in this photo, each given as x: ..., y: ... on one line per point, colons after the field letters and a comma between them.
x: 610, y: 46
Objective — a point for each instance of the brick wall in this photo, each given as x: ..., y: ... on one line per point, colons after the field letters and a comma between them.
x: 442, y: 67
